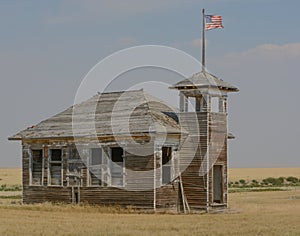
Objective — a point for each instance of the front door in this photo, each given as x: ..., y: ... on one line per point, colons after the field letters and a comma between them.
x: 218, y: 183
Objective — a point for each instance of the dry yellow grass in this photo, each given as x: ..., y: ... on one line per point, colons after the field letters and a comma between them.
x: 264, y: 213
x: 248, y: 174
x: 250, y: 213
x: 10, y: 176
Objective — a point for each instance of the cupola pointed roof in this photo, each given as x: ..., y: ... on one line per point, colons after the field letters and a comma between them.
x: 204, y: 80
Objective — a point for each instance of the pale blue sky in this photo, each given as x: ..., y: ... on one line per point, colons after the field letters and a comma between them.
x: 47, y: 47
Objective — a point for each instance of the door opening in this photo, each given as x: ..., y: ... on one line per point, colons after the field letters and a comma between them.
x: 218, y: 184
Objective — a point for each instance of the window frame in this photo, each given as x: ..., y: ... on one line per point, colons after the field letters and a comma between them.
x: 215, y: 104
x: 74, y: 161
x: 123, y: 167
x: 55, y: 162
x: 98, y: 165
x: 170, y: 165
x: 31, y: 167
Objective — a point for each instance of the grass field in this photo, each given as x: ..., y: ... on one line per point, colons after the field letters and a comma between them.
x: 250, y: 213
x: 11, y: 176
x: 248, y: 174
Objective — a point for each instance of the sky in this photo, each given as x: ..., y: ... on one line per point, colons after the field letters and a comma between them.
x: 47, y: 48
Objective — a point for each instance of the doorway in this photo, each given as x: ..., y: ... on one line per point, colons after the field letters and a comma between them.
x: 218, y: 184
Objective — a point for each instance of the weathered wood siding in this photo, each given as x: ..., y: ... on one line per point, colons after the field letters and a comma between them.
x: 167, y: 196
x: 116, y: 196
x: 194, y: 183
x: 218, y: 150
x: 40, y: 194
x: 140, y: 189
x: 212, y: 135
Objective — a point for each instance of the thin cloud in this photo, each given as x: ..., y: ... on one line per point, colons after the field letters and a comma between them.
x: 272, y: 51
x: 265, y: 55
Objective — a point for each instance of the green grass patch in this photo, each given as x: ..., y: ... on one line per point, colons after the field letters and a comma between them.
x: 265, y: 183
x: 11, y: 197
x: 260, y: 189
x: 5, y: 187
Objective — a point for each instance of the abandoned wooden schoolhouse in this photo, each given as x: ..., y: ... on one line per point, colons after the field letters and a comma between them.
x: 141, y: 153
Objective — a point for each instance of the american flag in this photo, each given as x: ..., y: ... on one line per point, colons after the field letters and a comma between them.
x: 213, y: 22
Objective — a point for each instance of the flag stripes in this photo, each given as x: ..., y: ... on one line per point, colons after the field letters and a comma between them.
x: 213, y: 22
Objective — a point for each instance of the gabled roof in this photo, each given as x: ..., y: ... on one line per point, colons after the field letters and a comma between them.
x: 204, y: 80
x: 108, y: 114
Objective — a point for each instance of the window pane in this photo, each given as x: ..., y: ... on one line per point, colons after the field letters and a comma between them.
x: 166, y: 155
x: 75, y: 167
x: 95, y: 166
x: 55, y: 154
x: 55, y: 168
x: 55, y: 173
x: 116, y: 170
x: 117, y: 154
x: 166, y: 177
x: 96, y: 156
x: 166, y: 164
x: 37, y: 167
x: 117, y: 166
x: 74, y: 173
x: 73, y: 154
x: 214, y: 104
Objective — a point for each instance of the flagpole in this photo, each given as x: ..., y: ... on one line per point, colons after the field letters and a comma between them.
x: 203, y: 40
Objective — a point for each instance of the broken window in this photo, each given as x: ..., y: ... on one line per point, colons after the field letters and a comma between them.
x: 74, y: 168
x: 166, y: 165
x: 55, y: 167
x: 116, y: 166
x: 95, y: 163
x: 37, y: 167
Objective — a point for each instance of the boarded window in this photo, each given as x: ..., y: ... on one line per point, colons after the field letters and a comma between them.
x: 37, y: 167
x: 166, y: 165
x: 55, y: 166
x: 116, y: 167
x: 75, y: 165
x: 95, y: 166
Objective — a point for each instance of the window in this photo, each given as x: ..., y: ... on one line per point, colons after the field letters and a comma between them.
x: 55, y: 167
x: 203, y: 104
x: 116, y: 167
x: 191, y: 104
x: 74, y: 170
x: 214, y: 104
x: 37, y: 167
x: 95, y: 163
x: 166, y: 165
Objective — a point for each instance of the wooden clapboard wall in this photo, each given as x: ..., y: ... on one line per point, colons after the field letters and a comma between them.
x: 140, y: 190
x: 211, y: 139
